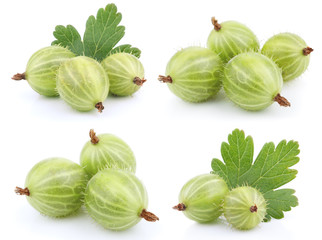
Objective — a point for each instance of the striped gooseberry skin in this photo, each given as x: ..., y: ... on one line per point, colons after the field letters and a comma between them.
x: 202, y: 197
x: 244, y: 207
x: 252, y: 81
x: 82, y: 83
x: 195, y: 74
x: 125, y: 73
x: 42, y: 69
x: 115, y: 199
x: 289, y: 52
x: 106, y: 151
x: 56, y: 187
x: 231, y: 38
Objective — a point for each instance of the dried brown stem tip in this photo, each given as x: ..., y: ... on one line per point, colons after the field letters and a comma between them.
x: 94, y: 138
x: 180, y: 207
x: 19, y: 76
x: 138, y: 81
x: 214, y: 22
x: 22, y: 191
x: 99, y: 106
x: 150, y: 217
x: 165, y: 79
x: 307, y: 51
x: 282, y: 101
x: 253, y: 208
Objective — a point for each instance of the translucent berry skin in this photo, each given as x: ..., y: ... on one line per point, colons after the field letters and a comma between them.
x: 56, y: 187
x: 42, y: 69
x: 196, y: 74
x: 122, y: 69
x: 286, y: 49
x: 232, y: 39
x: 115, y: 199
x: 244, y: 207
x: 252, y: 81
x: 82, y: 83
x: 109, y: 152
x: 203, y: 197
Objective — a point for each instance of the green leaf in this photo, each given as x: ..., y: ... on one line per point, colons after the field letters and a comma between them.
x: 280, y: 201
x: 103, y: 33
x: 127, y: 48
x: 101, y: 36
x: 68, y: 37
x: 269, y: 171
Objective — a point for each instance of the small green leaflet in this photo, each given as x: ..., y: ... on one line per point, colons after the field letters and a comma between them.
x: 268, y: 172
x: 101, y: 36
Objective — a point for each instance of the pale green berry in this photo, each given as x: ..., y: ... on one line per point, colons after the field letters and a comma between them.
x: 194, y: 74
x: 125, y: 72
x: 106, y: 151
x: 83, y: 83
x: 290, y: 53
x: 253, y: 81
x: 201, y: 198
x: 244, y: 207
x: 42, y: 69
x: 231, y: 38
x: 117, y: 200
x: 55, y: 187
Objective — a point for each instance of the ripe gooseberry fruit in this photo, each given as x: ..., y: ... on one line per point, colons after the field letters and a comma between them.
x: 117, y: 199
x: 244, y: 207
x: 290, y: 53
x: 125, y: 73
x: 83, y: 83
x: 55, y: 187
x: 194, y: 74
x: 42, y: 69
x: 201, y: 198
x: 106, y: 151
x: 253, y: 81
x: 231, y: 38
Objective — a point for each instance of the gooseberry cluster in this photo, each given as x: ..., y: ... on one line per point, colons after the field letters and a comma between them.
x: 104, y: 181
x: 83, y: 82
x: 206, y: 197
x: 251, y: 78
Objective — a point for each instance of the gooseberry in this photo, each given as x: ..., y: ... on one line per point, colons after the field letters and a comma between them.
x: 231, y: 38
x: 125, y: 73
x: 290, y: 52
x: 117, y: 199
x: 83, y: 83
x: 194, y: 74
x: 244, y: 207
x: 55, y: 187
x: 106, y: 151
x: 42, y: 69
x: 253, y: 81
x: 201, y: 198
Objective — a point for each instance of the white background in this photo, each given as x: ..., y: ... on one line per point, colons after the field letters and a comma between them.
x: 173, y: 140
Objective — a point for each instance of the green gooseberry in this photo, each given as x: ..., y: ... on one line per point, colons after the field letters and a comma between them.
x: 125, y: 73
x: 117, y: 200
x: 55, y: 187
x: 106, y: 151
x: 244, y: 207
x: 290, y: 52
x: 42, y: 69
x: 231, y: 38
x: 201, y: 198
x: 83, y: 83
x: 194, y: 74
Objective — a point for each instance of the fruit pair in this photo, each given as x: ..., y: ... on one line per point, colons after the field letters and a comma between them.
x: 81, y: 81
x: 204, y: 198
